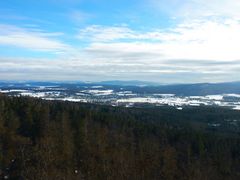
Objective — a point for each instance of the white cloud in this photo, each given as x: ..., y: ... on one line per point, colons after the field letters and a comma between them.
x: 30, y: 39
x: 203, y: 46
x: 195, y: 51
x: 194, y: 40
x: 205, y: 40
x: 98, y: 66
x: 99, y: 33
x: 228, y: 8
x: 198, y: 8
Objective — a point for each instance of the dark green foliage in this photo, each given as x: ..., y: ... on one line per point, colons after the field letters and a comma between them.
x: 61, y: 140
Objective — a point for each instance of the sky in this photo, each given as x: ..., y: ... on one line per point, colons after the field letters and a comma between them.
x: 164, y: 41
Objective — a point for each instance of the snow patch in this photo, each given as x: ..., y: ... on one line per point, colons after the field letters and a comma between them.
x: 215, y: 97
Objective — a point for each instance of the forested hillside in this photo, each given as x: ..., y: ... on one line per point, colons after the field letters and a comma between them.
x: 51, y: 140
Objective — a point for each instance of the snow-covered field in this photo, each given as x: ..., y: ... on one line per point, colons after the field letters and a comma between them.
x: 217, y: 100
x: 124, y: 97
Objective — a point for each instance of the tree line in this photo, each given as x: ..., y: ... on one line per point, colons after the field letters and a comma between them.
x: 62, y: 140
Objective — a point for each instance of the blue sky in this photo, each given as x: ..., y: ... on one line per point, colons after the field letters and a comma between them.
x: 167, y: 41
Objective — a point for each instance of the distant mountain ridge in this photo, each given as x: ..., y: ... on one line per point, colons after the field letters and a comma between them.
x: 130, y: 83
x: 180, y: 89
x: 143, y: 87
x: 201, y: 88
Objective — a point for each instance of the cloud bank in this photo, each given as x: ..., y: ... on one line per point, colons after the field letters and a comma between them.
x: 202, y: 46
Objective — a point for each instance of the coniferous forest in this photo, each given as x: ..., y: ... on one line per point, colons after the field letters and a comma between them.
x: 48, y: 140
